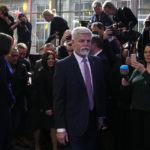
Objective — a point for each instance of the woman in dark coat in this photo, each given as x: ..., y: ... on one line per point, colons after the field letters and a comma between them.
x: 139, y: 86
x: 44, y: 88
x: 144, y: 38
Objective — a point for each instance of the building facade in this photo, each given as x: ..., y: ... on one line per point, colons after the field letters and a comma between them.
x: 73, y: 11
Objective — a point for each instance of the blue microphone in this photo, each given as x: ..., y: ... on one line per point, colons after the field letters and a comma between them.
x: 124, y: 71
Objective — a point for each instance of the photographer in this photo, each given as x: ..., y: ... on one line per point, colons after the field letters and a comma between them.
x: 24, y: 29
x: 121, y: 16
x: 98, y: 28
x: 64, y: 45
x: 6, y: 20
x: 58, y: 25
x: 99, y: 15
x: 144, y: 38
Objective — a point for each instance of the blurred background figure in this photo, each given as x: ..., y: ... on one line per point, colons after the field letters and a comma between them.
x: 62, y: 52
x: 69, y: 48
x: 47, y: 47
x: 19, y: 86
x: 24, y: 31
x: 138, y: 88
x: 99, y: 15
x: 6, y: 20
x: 58, y: 25
x: 119, y: 15
x: 22, y: 48
x: 7, y: 98
x: 65, y: 48
x: 43, y: 110
x: 99, y: 29
x: 144, y: 38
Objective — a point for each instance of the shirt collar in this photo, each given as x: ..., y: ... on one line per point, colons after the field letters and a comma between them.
x: 79, y: 58
x: 97, y: 53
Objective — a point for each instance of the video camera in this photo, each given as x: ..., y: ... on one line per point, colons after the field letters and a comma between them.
x: 125, y: 35
x: 23, y: 23
x: 68, y: 37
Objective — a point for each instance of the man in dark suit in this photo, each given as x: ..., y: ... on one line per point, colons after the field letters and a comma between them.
x: 6, y: 95
x: 97, y: 50
x: 79, y: 94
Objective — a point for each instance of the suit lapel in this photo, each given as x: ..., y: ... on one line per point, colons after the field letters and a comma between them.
x: 76, y: 70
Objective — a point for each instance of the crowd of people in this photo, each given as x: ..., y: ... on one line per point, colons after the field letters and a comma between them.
x: 77, y: 91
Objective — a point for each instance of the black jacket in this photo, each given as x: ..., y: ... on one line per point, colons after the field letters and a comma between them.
x: 125, y: 16
x: 71, y: 104
x: 4, y: 27
x: 59, y: 25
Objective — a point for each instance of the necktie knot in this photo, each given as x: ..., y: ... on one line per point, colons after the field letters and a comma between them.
x: 84, y: 60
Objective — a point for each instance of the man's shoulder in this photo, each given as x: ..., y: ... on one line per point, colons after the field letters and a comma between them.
x: 103, y: 14
x: 65, y: 60
x: 64, y: 64
x: 93, y: 15
x: 25, y: 60
x: 56, y: 18
x: 38, y: 61
x: 95, y: 58
x: 124, y: 9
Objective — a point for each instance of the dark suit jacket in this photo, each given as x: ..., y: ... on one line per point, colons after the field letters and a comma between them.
x: 6, y: 95
x: 59, y: 25
x: 6, y: 100
x: 106, y: 68
x: 71, y: 106
x: 19, y: 84
x: 121, y: 16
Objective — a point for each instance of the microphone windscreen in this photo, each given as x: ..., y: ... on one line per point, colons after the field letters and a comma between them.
x: 124, y: 70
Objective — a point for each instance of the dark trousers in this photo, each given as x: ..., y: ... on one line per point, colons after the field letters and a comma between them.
x: 5, y: 128
x: 88, y: 141
x: 139, y: 130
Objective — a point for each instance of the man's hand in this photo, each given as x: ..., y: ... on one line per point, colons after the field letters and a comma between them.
x: 140, y: 67
x: 128, y: 60
x: 62, y: 137
x: 107, y: 34
x: 124, y: 82
x: 48, y: 112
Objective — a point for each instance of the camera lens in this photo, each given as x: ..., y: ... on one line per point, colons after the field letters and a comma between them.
x: 68, y: 37
x: 23, y: 23
x: 95, y: 32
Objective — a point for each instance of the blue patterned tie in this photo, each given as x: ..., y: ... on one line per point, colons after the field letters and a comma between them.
x: 88, y: 84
